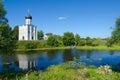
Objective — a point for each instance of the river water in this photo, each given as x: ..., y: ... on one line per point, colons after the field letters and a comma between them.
x: 42, y: 59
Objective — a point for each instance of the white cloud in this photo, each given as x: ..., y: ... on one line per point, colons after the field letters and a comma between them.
x: 62, y: 18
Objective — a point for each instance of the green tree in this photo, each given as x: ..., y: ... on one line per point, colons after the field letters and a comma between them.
x: 15, y: 33
x: 95, y: 42
x: 88, y: 41
x: 49, y: 34
x: 99, y: 40
x: 7, y: 43
x: 77, y: 39
x: 40, y: 35
x: 109, y: 42
x: 59, y: 39
x: 68, y: 39
x: 3, y: 12
x: 52, y: 41
x: 116, y: 32
x: 82, y: 42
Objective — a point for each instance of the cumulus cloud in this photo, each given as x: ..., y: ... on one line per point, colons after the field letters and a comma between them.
x: 62, y: 18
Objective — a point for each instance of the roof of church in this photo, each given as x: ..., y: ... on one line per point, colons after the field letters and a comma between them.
x: 28, y: 16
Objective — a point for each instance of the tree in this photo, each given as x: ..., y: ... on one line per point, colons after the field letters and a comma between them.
x: 116, y: 32
x: 88, y: 41
x: 82, y: 42
x: 68, y: 39
x: 52, y: 41
x: 3, y: 12
x: 109, y: 42
x: 77, y: 39
x: 49, y: 34
x: 40, y: 35
x: 59, y: 39
x: 95, y: 42
x: 99, y: 40
x: 15, y: 33
x: 7, y: 43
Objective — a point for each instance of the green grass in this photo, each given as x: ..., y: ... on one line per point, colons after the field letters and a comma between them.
x: 117, y: 48
x: 98, y: 48
x: 65, y: 71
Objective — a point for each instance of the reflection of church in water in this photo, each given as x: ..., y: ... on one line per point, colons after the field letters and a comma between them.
x: 25, y: 63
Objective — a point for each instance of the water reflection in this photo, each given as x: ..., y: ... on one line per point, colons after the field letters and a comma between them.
x: 41, y: 60
x: 26, y: 62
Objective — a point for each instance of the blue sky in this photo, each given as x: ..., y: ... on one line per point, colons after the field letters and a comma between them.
x: 86, y: 17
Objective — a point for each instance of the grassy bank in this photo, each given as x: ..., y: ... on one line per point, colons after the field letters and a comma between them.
x: 42, y: 45
x: 68, y: 71
x: 45, y: 48
x: 99, y: 48
x: 115, y: 48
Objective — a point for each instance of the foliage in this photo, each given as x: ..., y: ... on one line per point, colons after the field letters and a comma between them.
x: 109, y: 42
x: 11, y: 75
x: 88, y: 41
x: 99, y: 40
x: 36, y: 44
x: 82, y: 42
x: 40, y: 35
x: 95, y: 42
x: 68, y: 39
x: 116, y: 32
x: 49, y: 34
x: 77, y: 39
x: 15, y: 33
x: 30, y: 45
x: 3, y: 19
x: 52, y: 41
x: 6, y: 41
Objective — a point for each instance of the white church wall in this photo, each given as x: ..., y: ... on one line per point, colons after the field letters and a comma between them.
x: 28, y: 31
x: 23, y: 34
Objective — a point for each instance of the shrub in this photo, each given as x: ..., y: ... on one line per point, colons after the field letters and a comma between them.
x: 30, y: 45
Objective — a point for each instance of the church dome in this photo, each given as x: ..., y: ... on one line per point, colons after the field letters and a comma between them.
x: 28, y: 17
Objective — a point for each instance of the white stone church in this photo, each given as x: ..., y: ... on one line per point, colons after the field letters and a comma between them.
x: 28, y: 31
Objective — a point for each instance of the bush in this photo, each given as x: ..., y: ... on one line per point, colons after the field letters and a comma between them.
x: 30, y: 45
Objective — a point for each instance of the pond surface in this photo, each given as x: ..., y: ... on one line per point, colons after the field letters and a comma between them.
x: 43, y: 59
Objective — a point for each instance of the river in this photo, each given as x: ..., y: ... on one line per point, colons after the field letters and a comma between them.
x: 41, y: 60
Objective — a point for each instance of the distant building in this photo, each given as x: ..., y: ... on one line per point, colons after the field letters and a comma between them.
x: 28, y: 31
x: 45, y: 37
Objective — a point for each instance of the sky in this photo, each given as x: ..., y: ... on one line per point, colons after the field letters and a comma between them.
x: 93, y: 18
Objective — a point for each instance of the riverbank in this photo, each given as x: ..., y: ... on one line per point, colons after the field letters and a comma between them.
x: 46, y: 48
x: 117, y: 48
x: 114, y: 48
x: 66, y: 71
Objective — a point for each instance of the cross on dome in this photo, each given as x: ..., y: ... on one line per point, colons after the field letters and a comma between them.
x: 28, y: 15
